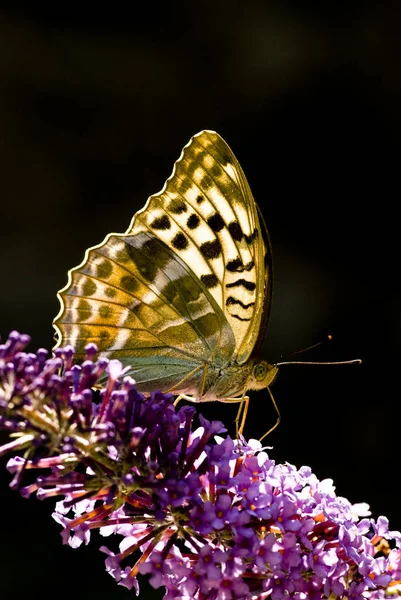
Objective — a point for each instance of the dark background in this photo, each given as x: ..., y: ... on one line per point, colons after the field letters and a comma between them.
x: 94, y: 110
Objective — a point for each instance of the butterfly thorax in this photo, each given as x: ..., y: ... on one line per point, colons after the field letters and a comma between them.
x: 234, y: 380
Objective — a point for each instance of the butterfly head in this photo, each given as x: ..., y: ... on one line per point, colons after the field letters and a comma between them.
x: 262, y: 375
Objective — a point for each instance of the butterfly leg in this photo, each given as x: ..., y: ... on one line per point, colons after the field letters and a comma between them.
x: 176, y: 401
x: 184, y: 397
x: 183, y: 380
x: 202, y: 387
x: 278, y: 416
x: 243, y: 409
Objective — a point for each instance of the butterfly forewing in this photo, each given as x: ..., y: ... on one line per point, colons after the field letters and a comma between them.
x: 185, y: 286
x: 207, y: 214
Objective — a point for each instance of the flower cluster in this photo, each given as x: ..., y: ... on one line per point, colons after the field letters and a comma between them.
x: 205, y: 516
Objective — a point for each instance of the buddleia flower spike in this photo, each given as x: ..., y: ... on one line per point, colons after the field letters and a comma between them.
x: 195, y: 511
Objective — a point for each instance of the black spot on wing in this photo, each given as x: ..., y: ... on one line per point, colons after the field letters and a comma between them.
x: 104, y: 338
x: 162, y: 222
x: 216, y: 171
x: 105, y: 311
x: 84, y: 310
x: 104, y: 269
x: 237, y: 266
x: 180, y: 242
x: 241, y: 318
x: 231, y: 300
x: 129, y: 283
x: 148, y: 254
x: 184, y: 185
x: 235, y: 231
x: 209, y: 281
x: 193, y: 221
x: 200, y: 199
x: 206, y: 182
x: 211, y: 249
x: 177, y: 206
x: 249, y: 238
x: 248, y: 285
x: 182, y: 291
x: 89, y: 287
x: 110, y: 292
x: 216, y: 222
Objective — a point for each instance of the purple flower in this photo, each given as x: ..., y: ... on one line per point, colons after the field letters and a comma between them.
x: 381, y: 529
x: 374, y: 572
x: 228, y: 584
x: 158, y: 568
x: 205, y: 517
x: 222, y: 479
x: 220, y: 512
x: 279, y: 585
x: 209, y: 562
x: 269, y: 553
x: 321, y: 560
x: 291, y: 551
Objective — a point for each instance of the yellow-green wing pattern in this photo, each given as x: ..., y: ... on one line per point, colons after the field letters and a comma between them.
x: 138, y: 302
x: 185, y: 286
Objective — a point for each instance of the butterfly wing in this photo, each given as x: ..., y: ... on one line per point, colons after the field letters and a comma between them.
x: 185, y: 285
x: 207, y: 213
x: 139, y: 302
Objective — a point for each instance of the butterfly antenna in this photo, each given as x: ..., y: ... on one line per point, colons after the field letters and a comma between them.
x: 355, y: 361
x: 329, y: 338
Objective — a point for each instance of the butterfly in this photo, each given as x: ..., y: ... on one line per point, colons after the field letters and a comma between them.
x: 182, y: 298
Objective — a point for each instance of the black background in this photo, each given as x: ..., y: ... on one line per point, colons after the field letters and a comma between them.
x: 95, y: 108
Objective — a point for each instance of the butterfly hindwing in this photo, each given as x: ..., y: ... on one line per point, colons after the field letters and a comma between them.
x: 137, y: 300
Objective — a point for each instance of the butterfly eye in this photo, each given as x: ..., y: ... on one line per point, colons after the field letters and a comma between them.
x: 259, y: 371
